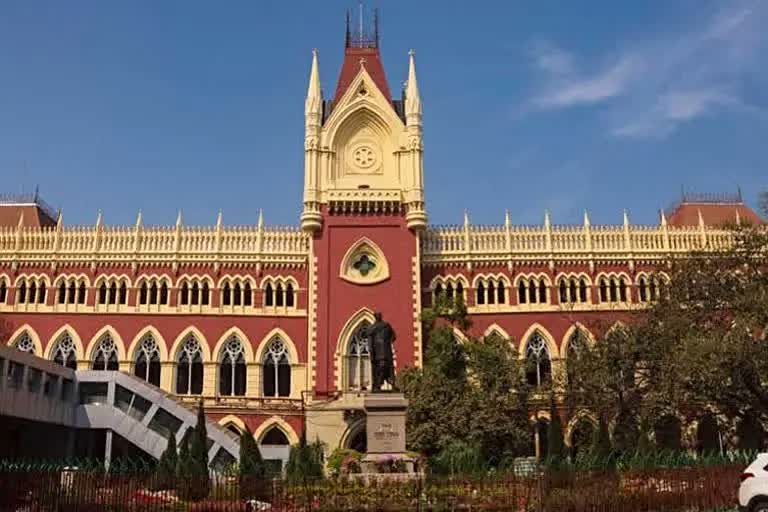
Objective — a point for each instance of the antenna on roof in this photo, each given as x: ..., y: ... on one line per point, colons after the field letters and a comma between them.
x: 347, y: 35
x: 361, y: 22
x: 376, y: 26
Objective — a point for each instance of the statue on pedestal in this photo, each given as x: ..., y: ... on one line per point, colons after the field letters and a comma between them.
x: 381, y: 339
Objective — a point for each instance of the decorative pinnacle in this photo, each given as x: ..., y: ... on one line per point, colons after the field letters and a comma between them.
x: 60, y: 219
x: 663, y: 218
x: 139, y: 219
x: 362, y: 62
x: 412, y: 96
x: 547, y: 220
x: 626, y: 218
x: 507, y: 219
x: 261, y: 219
x: 219, y: 219
x: 738, y: 218
x: 587, y: 223
x: 178, y: 219
x: 701, y: 218
x: 99, y: 220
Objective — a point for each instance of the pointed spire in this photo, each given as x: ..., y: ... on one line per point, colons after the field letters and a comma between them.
x: 466, y: 218
x: 178, y: 220
x: 507, y: 219
x: 99, y: 220
x: 21, y: 220
x: 663, y: 218
x: 412, y: 97
x: 587, y: 222
x: 701, y: 218
x: 314, y: 93
x: 347, y: 34
x: 261, y: 219
x: 626, y: 218
x: 738, y: 218
x: 60, y: 220
x: 219, y: 219
x: 547, y: 221
x: 139, y: 220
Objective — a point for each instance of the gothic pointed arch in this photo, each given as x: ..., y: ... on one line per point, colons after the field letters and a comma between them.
x: 461, y: 338
x: 354, y: 436
x: 56, y: 337
x: 545, y: 334
x: 573, y: 329
x: 182, y: 337
x: 580, y: 416
x: 276, y: 421
x: 498, y: 330
x: 364, y: 263
x: 29, y: 338
x: 349, y: 346
x: 217, y: 354
x: 158, y: 338
x: 263, y: 346
x: 231, y: 419
x: 93, y: 344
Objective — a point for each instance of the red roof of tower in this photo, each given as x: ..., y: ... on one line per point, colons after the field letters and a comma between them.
x: 36, y: 212
x: 716, y: 210
x: 351, y: 66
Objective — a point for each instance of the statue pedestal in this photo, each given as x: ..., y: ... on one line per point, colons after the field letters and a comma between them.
x: 385, y: 431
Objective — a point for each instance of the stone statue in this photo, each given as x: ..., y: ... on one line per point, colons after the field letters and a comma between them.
x: 381, y: 339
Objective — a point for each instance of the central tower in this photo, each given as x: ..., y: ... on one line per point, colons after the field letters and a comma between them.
x: 364, y: 205
x: 363, y: 150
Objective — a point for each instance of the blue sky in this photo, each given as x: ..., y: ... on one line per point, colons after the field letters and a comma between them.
x: 198, y: 106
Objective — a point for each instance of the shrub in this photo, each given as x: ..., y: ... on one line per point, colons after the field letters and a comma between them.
x: 459, y: 458
x: 305, y: 462
x: 166, y: 467
x: 344, y: 461
x: 194, y: 483
x: 252, y: 469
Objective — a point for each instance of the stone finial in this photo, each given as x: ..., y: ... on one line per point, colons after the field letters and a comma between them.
x: 178, y: 220
x: 626, y: 218
x: 313, y: 103
x: 701, y: 218
x: 587, y: 222
x: 99, y: 219
x: 507, y: 219
x: 663, y: 218
x: 412, y: 96
x: 547, y: 220
x: 219, y: 219
x: 738, y: 218
x: 139, y: 220
x: 466, y: 218
x: 60, y: 220
x: 260, y: 222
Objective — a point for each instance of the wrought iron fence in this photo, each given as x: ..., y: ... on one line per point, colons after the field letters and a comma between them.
x: 63, y: 489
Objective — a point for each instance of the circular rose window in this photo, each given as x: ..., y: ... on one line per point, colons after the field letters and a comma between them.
x: 364, y: 157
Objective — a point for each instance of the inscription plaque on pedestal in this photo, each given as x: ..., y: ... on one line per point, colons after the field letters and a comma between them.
x: 385, y: 422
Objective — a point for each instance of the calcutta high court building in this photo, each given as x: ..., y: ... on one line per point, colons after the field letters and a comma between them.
x: 264, y: 324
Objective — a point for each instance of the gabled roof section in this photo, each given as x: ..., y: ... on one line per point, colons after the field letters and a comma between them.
x: 354, y: 58
x: 715, y: 209
x: 36, y: 213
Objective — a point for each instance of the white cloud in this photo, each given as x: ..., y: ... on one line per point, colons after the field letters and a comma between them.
x: 649, y: 89
x: 608, y: 84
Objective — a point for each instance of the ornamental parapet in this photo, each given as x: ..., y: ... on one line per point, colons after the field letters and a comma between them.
x: 508, y: 243
x: 163, y: 244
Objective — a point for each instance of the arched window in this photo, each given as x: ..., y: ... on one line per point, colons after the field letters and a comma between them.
x: 563, y: 292
x: 184, y: 294
x: 289, y: 298
x: 164, y: 293
x: 102, y: 294
x: 62, y: 298
x: 22, y: 292
x: 603, y: 290
x: 583, y: 290
x: 226, y: 297
x: 64, y: 353
x: 269, y: 296
x: 232, y: 369
x: 113, y: 292
x: 538, y: 364
x: 500, y: 293
x: 522, y: 296
x: 147, y: 365
x: 438, y: 290
x: 582, y: 435
x: 622, y: 290
x: 491, y: 293
x: 72, y: 293
x: 234, y: 430
x: 275, y: 437
x: 189, y: 368
x: 459, y: 291
x: 449, y: 291
x: 279, y: 296
x: 195, y: 296
x: 248, y: 295
x: 123, y: 293
x: 105, y: 357
x: 205, y: 294
x: 143, y: 293
x: 277, y: 369
x: 359, y: 359
x: 642, y: 288
x: 237, y: 295
x: 81, y: 293
x: 480, y: 293
x: 576, y: 344
x: 542, y: 292
x: 25, y: 343
x: 3, y: 291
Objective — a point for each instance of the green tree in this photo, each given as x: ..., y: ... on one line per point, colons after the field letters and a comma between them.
x: 472, y: 393
x: 555, y: 442
x: 251, y: 469
x: 194, y: 479
x: 305, y: 462
x: 165, y: 473
x: 601, y: 442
